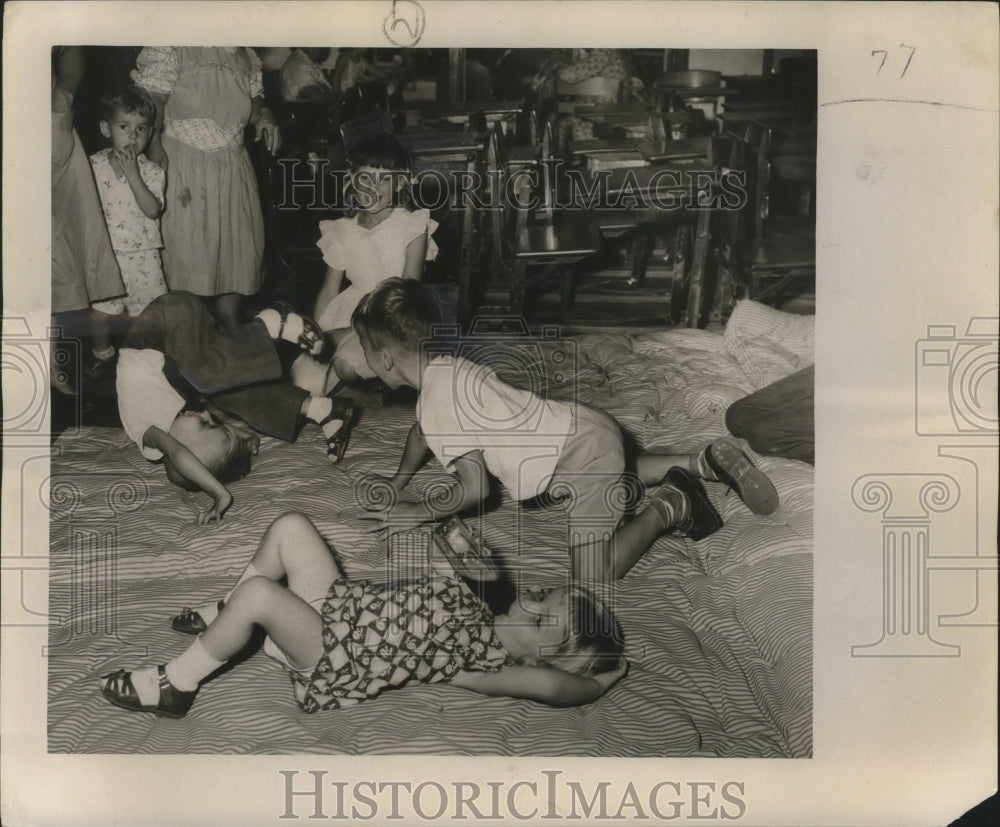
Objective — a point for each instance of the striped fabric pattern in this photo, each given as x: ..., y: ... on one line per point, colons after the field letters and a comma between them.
x: 719, y: 632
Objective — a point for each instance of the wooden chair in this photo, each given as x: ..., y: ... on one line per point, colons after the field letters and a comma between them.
x: 378, y: 122
x: 531, y: 239
x: 781, y: 177
x: 292, y: 207
x: 753, y: 264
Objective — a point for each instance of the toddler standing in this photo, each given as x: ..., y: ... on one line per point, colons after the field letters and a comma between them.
x: 130, y: 187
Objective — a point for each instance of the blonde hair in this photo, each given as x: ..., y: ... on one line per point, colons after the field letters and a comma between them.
x: 594, y: 643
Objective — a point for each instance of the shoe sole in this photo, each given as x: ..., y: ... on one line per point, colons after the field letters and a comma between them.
x: 734, y: 468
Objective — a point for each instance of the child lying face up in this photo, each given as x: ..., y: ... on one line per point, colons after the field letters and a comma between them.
x: 343, y: 642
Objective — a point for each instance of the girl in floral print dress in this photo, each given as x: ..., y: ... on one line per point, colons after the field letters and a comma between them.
x: 343, y: 642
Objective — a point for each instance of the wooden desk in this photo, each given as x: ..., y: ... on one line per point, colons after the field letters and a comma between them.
x: 462, y: 110
x: 734, y: 121
x: 687, y: 148
x: 601, y: 146
x: 620, y: 119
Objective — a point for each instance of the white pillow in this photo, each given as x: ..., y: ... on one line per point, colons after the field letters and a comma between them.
x: 769, y: 344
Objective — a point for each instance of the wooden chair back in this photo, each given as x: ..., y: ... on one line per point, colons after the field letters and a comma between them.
x: 365, y: 126
x: 571, y: 95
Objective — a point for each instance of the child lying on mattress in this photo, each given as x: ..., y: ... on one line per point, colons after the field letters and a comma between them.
x: 475, y: 423
x: 174, y: 352
x: 343, y: 642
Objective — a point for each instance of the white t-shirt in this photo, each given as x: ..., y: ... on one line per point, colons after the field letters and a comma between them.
x: 464, y: 406
x: 369, y: 256
x: 145, y: 397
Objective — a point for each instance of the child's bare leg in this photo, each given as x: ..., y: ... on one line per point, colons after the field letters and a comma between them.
x: 291, y: 622
x: 651, y: 468
x: 291, y: 547
x: 288, y: 620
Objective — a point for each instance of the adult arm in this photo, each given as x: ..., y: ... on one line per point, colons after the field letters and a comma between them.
x: 68, y: 64
x: 262, y: 120
x: 185, y: 463
x: 154, y: 150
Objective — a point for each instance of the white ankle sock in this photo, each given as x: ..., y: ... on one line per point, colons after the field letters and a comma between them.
x: 701, y: 467
x: 187, y: 670
x: 318, y: 408
x: 272, y: 321
x: 671, y: 505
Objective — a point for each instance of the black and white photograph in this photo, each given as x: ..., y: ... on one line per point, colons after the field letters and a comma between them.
x: 444, y: 393
x: 599, y: 232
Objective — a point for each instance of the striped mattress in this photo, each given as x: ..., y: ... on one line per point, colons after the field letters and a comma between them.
x: 719, y: 632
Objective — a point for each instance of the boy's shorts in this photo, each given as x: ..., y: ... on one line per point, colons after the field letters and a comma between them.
x: 590, y: 472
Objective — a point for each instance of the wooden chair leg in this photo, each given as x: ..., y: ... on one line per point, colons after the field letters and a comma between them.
x: 518, y: 290
x: 694, y: 308
x: 642, y: 248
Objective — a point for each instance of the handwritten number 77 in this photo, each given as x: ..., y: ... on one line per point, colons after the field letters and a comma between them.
x: 885, y: 54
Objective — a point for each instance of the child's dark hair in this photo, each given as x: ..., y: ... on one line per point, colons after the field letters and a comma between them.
x: 384, y: 151
x: 594, y: 643
x: 235, y: 465
x: 381, y: 151
x: 127, y: 99
x: 400, y: 312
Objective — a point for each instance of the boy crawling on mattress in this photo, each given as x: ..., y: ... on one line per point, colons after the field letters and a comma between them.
x: 475, y: 423
x: 174, y: 353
